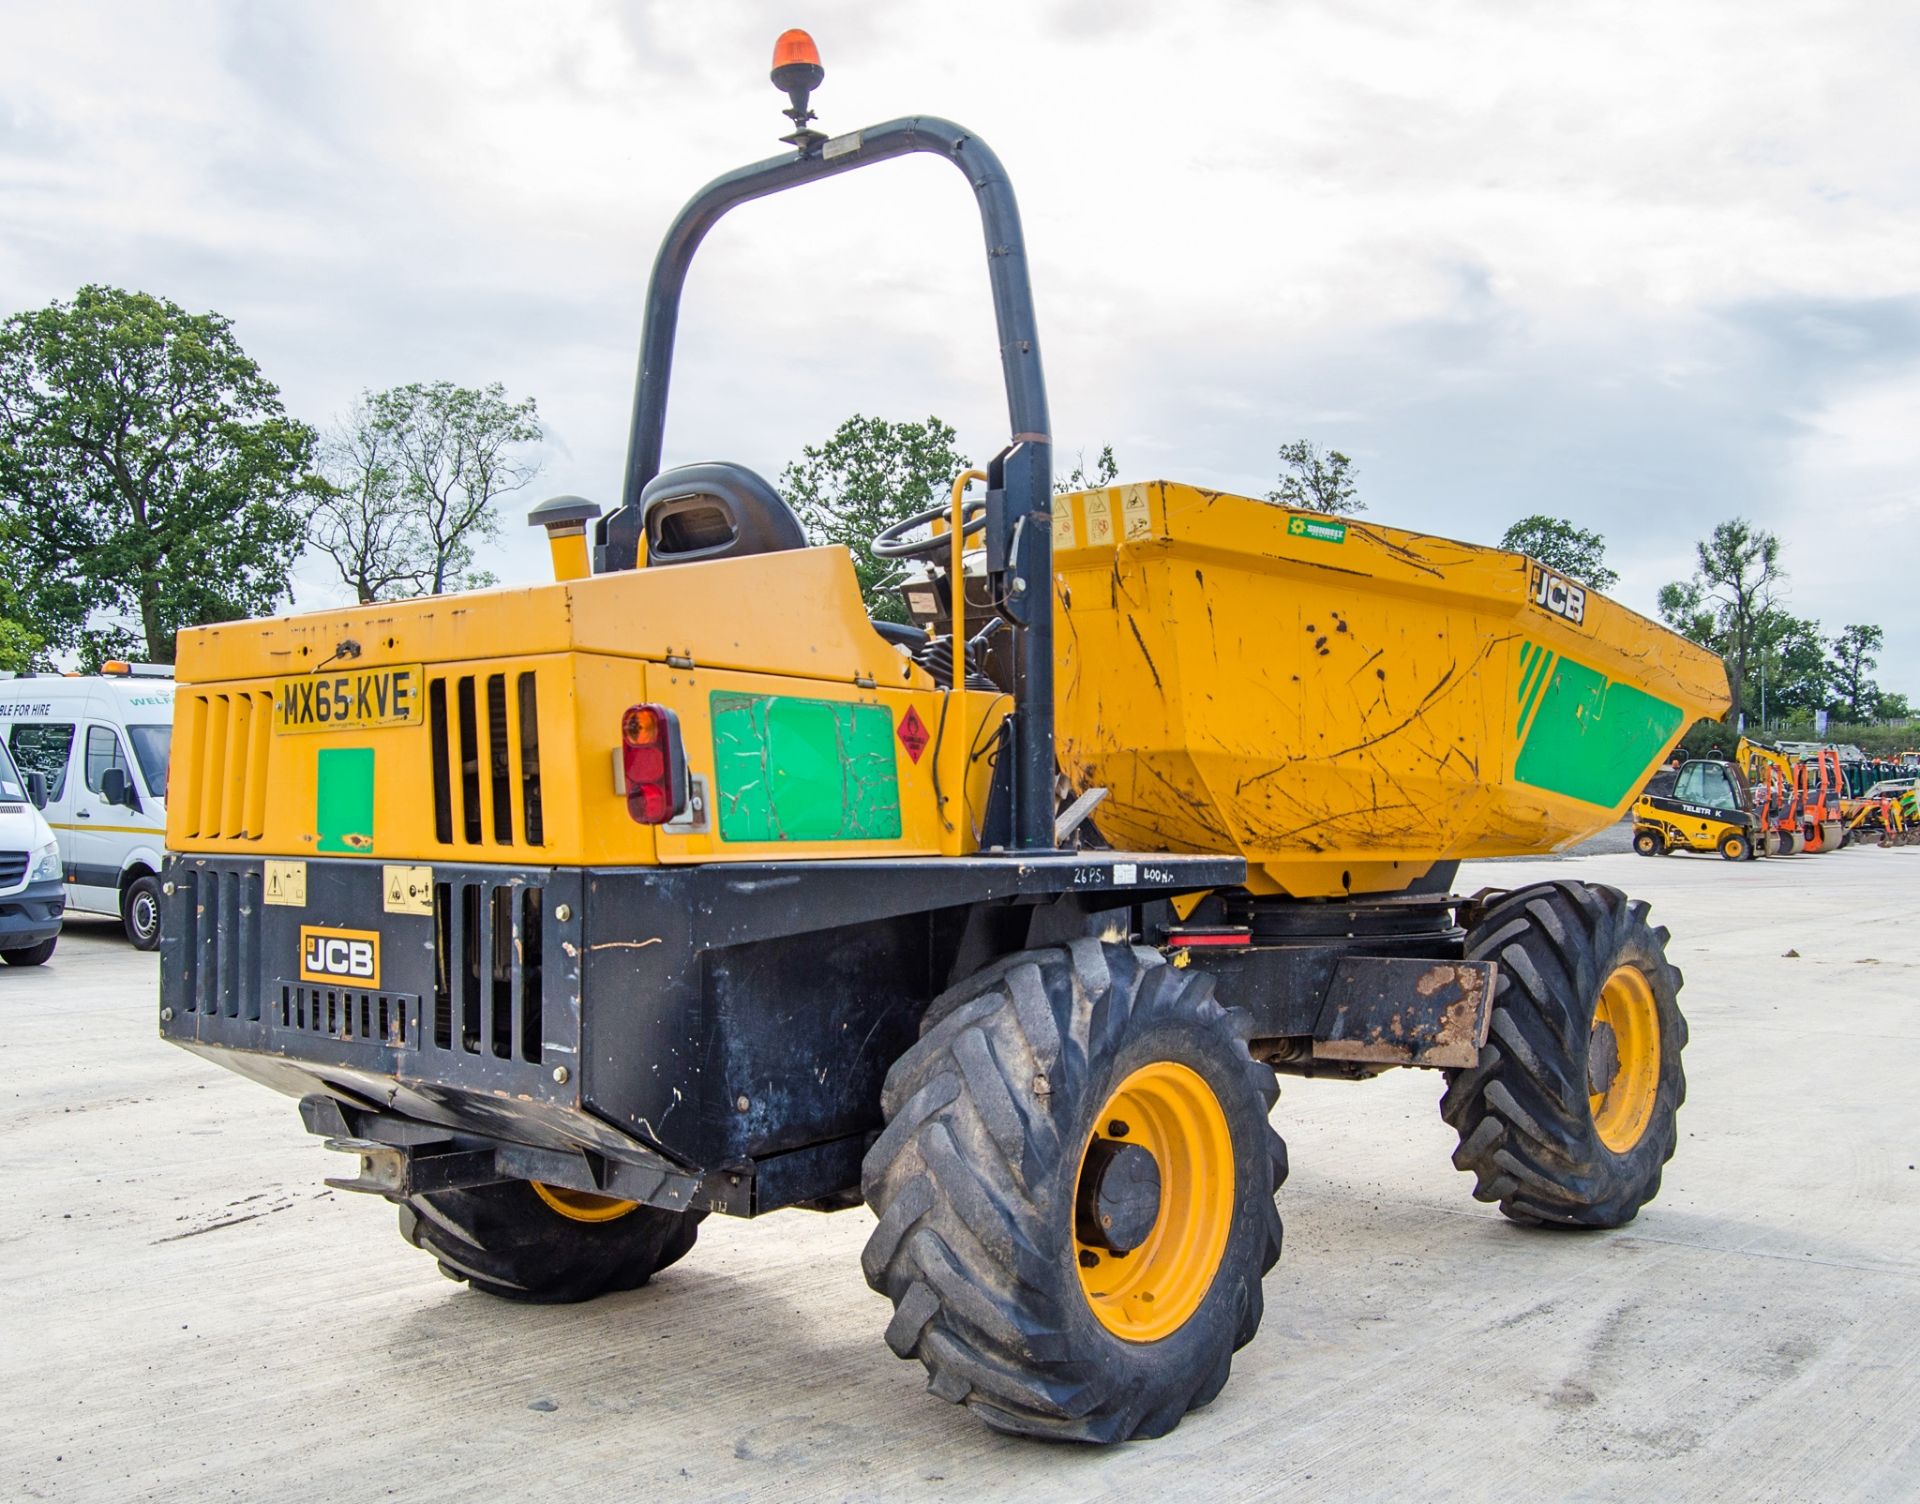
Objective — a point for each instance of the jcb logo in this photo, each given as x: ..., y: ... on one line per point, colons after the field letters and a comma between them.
x: 1560, y: 596
x: 339, y: 956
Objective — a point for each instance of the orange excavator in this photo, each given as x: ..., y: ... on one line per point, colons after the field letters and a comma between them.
x: 1822, y: 785
x: 1779, y: 813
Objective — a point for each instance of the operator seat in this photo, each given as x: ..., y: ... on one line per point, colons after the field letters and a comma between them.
x: 714, y: 510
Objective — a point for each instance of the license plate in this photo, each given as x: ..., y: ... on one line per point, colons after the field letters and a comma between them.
x: 350, y: 701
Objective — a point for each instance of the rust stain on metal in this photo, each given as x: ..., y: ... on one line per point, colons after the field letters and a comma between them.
x: 1439, y: 1022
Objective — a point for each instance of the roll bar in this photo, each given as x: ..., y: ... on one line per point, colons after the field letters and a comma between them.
x: 1020, y: 494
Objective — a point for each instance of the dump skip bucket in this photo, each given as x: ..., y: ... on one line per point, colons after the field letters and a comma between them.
x: 1346, y: 704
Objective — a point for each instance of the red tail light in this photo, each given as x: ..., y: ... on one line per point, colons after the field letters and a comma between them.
x: 655, y: 769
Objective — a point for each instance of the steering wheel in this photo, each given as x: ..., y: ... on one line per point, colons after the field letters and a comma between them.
x: 894, y: 542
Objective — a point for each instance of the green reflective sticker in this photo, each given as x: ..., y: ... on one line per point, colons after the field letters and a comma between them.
x: 1317, y: 528
x: 793, y: 769
x: 1592, y: 738
x: 343, y: 800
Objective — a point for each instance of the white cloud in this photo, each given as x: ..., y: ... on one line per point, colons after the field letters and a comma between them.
x: 1643, y: 264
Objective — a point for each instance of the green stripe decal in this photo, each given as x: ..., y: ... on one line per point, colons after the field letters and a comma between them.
x: 793, y: 769
x: 1529, y: 653
x: 1533, y: 687
x: 1593, y: 738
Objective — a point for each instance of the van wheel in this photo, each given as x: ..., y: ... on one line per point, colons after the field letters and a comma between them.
x: 30, y: 955
x: 140, y: 912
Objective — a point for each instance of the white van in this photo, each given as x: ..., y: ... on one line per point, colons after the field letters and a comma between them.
x: 102, y: 744
x: 31, y: 892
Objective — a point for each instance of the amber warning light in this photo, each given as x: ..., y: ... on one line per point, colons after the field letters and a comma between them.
x: 797, y: 72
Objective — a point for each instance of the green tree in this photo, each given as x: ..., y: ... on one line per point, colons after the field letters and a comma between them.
x: 364, y: 524
x: 1790, y: 665
x: 416, y: 476
x: 148, y: 470
x: 1855, y: 656
x: 1105, y: 471
x: 20, y: 645
x: 869, y: 475
x: 1572, y: 551
x: 1888, y: 706
x: 1314, y: 482
x: 1736, y: 575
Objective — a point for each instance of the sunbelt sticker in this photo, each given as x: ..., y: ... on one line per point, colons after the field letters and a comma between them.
x: 1318, y: 529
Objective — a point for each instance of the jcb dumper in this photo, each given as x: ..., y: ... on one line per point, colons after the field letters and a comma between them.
x: 576, y: 914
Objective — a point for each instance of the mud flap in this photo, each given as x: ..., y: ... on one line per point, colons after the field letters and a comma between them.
x: 1391, y: 1010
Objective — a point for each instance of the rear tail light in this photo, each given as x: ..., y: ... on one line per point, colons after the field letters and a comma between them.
x: 655, y: 769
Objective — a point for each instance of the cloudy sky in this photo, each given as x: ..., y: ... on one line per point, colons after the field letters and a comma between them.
x: 1645, y: 266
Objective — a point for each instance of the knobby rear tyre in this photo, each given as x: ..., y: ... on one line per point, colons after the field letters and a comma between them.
x: 974, y: 1184
x: 505, y: 1240
x: 1528, y: 1131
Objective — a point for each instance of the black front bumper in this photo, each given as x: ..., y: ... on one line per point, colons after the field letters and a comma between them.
x: 742, y: 1021
x: 32, y: 914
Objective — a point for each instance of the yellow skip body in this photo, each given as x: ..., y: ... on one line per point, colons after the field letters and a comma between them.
x: 1346, y: 704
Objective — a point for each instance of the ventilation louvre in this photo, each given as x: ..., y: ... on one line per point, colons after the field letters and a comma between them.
x: 485, y: 750
x: 488, y: 979
x: 225, y: 738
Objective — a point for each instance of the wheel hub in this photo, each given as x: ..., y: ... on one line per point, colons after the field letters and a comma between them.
x: 1153, y: 1205
x: 1603, y: 1059
x: 1119, y: 1198
x: 1623, y: 1059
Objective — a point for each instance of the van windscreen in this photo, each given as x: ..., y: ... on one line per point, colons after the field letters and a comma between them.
x: 12, y: 786
x: 153, y: 745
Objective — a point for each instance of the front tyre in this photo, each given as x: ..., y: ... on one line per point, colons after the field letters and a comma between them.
x: 1075, y: 1193
x: 1569, y: 1117
x: 1736, y: 848
x: 544, y: 1245
x: 30, y: 955
x: 1648, y: 842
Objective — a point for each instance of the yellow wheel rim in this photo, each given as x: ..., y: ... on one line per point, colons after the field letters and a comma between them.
x: 1149, y: 1292
x: 1623, y: 1074
x: 583, y: 1206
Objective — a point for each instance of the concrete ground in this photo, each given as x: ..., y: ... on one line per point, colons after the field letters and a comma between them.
x: 187, y: 1313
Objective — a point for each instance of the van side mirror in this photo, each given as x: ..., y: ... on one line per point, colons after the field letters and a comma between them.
x: 115, y: 787
x: 37, y: 789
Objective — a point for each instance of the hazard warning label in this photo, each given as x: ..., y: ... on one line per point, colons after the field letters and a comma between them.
x: 287, y: 884
x: 913, y: 733
x: 409, y: 890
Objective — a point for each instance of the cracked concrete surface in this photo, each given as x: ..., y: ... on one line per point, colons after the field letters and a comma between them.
x: 187, y: 1313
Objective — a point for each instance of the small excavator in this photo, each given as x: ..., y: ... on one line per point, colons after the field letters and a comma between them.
x: 1823, y: 795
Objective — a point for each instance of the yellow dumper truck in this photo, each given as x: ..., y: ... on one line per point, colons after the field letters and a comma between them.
x: 576, y: 914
